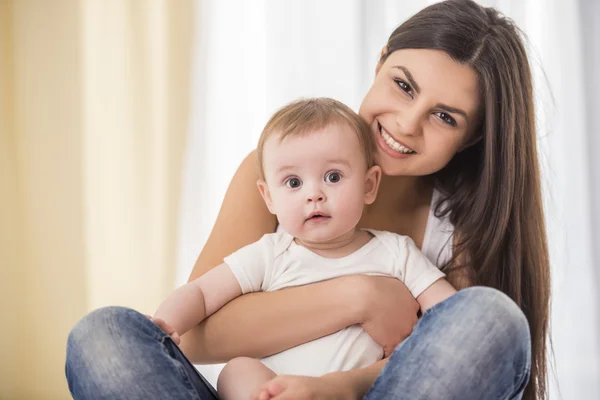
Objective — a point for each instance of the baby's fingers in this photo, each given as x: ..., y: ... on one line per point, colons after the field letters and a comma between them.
x: 176, y: 338
x: 168, y: 329
x: 164, y: 326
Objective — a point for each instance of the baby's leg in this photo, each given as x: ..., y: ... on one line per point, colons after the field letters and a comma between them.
x: 241, y: 377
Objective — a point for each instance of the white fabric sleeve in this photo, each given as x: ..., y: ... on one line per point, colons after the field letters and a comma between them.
x: 251, y: 263
x: 419, y: 273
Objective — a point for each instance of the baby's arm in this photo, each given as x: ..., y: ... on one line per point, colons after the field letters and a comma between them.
x: 439, y: 291
x: 418, y: 272
x: 188, y: 305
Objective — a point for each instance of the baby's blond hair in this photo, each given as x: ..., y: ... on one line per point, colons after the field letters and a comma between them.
x: 304, y: 116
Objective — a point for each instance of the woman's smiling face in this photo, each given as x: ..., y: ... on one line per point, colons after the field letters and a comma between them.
x: 423, y: 108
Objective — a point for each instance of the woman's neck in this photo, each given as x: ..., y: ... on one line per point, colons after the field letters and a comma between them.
x: 402, y: 194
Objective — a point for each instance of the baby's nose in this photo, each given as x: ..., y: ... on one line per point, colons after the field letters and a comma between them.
x: 316, y: 197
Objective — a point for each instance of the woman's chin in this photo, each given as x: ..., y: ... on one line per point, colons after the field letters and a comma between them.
x: 391, y: 168
x: 403, y: 167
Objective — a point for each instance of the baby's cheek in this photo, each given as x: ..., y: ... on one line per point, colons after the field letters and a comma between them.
x: 291, y: 217
x: 351, y: 205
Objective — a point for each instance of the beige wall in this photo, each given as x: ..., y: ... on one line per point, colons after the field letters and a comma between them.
x: 93, y: 119
x: 11, y: 281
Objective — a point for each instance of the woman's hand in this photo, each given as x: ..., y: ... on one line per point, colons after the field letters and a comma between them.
x: 303, y: 388
x: 389, y: 311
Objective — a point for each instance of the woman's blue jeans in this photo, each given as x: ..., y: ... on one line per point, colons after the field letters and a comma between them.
x: 474, y: 345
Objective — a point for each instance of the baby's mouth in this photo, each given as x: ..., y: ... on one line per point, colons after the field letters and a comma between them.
x: 317, y: 216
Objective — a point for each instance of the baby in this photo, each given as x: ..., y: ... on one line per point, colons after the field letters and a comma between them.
x: 316, y: 175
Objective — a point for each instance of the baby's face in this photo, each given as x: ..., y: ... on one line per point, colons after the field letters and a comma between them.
x: 316, y: 183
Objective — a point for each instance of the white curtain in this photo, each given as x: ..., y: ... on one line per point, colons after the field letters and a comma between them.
x: 252, y: 59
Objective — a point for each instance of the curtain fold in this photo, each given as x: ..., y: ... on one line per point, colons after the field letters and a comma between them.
x: 589, y: 11
x: 93, y: 122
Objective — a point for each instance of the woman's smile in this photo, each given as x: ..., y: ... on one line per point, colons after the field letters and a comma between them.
x: 393, y: 143
x: 391, y: 146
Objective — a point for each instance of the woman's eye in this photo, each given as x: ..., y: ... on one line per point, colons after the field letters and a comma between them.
x: 404, y: 86
x: 333, y: 177
x: 446, y: 118
x: 293, y: 183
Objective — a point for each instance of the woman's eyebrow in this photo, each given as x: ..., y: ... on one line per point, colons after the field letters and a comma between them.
x: 409, y: 77
x: 452, y: 110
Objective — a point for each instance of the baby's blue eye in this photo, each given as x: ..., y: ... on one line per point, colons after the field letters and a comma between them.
x: 333, y: 177
x: 293, y: 183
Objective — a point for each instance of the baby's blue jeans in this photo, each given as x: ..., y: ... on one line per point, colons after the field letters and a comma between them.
x: 474, y: 345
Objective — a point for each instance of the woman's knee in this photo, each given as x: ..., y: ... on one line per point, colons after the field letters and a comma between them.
x: 494, y: 307
x: 496, y: 322
x: 477, y: 332
x: 98, y: 324
x: 483, y: 316
x: 101, y: 331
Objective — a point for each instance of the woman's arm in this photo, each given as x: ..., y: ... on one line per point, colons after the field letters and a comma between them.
x: 260, y: 324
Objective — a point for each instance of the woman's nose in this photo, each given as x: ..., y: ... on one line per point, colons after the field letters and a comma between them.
x: 409, y: 122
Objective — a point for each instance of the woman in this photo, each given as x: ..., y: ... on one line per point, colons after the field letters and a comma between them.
x: 451, y: 107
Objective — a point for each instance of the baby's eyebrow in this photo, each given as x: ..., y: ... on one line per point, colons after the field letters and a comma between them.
x: 285, y: 168
x: 341, y: 162
x: 289, y: 168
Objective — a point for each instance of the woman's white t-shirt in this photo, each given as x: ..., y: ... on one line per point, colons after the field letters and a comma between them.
x: 439, y: 235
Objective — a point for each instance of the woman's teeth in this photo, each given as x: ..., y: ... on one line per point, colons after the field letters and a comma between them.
x: 393, y: 144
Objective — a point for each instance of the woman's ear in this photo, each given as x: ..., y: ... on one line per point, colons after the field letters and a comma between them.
x: 263, y: 188
x: 372, y: 180
x: 380, y: 62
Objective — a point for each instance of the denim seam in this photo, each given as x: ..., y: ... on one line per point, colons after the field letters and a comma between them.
x: 179, y: 366
x: 520, y: 380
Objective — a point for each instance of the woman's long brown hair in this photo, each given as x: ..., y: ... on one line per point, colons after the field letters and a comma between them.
x: 492, y: 189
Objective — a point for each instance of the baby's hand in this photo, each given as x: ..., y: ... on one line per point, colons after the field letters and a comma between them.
x: 168, y: 329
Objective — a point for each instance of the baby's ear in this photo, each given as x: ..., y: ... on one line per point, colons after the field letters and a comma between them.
x: 263, y: 188
x: 372, y: 180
